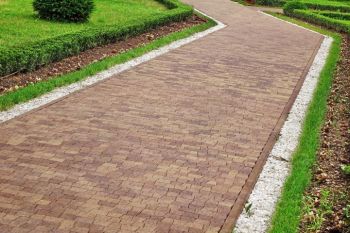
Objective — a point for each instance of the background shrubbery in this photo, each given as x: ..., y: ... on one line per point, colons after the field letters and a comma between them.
x: 329, y: 15
x: 289, y: 7
x: 270, y: 2
x: 64, y: 10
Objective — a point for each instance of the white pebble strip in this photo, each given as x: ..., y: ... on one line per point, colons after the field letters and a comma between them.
x: 268, y: 188
x: 66, y: 90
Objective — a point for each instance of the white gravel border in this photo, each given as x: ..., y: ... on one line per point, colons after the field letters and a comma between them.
x: 268, y: 188
x: 66, y: 90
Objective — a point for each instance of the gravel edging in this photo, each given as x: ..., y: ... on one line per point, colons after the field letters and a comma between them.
x: 268, y: 188
x: 61, y: 92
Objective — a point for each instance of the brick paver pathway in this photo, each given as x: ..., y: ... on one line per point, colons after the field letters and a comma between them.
x: 172, y: 145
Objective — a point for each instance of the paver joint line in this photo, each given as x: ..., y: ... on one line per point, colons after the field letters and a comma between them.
x: 176, y: 149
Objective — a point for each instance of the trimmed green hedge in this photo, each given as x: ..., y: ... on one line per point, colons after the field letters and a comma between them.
x: 327, y: 6
x: 32, y: 56
x: 313, y: 17
x: 335, y: 15
x: 337, y: 5
x: 291, y: 6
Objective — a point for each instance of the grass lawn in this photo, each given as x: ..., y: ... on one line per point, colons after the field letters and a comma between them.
x: 19, y: 24
x: 27, y: 42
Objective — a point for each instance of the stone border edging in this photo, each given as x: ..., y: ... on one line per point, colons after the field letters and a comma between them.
x: 269, y: 186
x: 61, y: 92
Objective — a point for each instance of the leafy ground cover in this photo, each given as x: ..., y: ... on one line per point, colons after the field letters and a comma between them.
x: 27, y: 42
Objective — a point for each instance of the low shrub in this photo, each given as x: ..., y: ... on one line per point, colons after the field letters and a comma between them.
x: 289, y: 7
x: 313, y: 17
x: 270, y: 2
x: 328, y: 6
x: 31, y: 56
x: 64, y: 10
x: 335, y: 15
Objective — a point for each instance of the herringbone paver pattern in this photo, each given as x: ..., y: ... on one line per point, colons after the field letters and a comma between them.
x: 164, y: 147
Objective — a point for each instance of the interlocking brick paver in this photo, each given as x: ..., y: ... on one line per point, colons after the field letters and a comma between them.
x: 167, y: 146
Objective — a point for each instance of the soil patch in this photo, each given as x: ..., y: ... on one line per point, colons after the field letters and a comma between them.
x: 326, y: 201
x: 70, y: 64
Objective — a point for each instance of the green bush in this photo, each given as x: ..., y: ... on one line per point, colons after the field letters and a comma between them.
x: 31, y: 56
x: 269, y: 2
x: 64, y: 10
x: 289, y: 7
x: 330, y: 6
x: 335, y: 15
x: 312, y: 17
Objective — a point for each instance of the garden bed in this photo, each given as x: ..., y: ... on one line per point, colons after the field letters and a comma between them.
x: 73, y: 63
x: 27, y: 42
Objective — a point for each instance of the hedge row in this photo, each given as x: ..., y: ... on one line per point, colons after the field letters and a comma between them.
x: 331, y: 6
x: 32, y: 56
x: 335, y: 15
x: 312, y: 17
x: 327, y: 6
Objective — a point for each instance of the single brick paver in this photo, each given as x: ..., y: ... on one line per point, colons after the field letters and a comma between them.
x: 172, y: 145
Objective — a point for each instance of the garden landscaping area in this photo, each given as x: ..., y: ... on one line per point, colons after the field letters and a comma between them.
x: 33, y: 50
x: 148, y: 116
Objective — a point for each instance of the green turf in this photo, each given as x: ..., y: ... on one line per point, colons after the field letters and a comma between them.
x: 287, y: 215
x: 22, y: 95
x: 19, y: 24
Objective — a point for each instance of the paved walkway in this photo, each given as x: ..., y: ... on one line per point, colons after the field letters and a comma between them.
x: 172, y: 145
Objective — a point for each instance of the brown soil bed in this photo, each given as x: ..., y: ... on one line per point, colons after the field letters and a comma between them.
x: 10, y: 83
x: 333, y: 153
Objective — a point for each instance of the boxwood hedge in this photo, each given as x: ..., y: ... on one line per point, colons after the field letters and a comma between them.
x: 32, y: 56
x: 314, y: 17
x: 333, y: 6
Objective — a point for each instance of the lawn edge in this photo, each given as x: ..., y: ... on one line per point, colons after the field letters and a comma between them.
x: 30, y: 56
x: 286, y: 217
x: 41, y: 94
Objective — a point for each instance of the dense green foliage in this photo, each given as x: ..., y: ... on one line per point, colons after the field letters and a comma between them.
x: 64, y: 10
x: 288, y: 210
x: 328, y: 5
x: 24, y: 94
x: 268, y: 2
x: 289, y: 7
x: 320, y: 13
x: 319, y: 18
x: 28, y: 56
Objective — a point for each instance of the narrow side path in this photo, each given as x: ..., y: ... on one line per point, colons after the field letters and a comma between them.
x: 172, y: 145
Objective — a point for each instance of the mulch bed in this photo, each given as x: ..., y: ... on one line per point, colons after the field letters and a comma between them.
x: 13, y: 82
x: 334, y: 151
